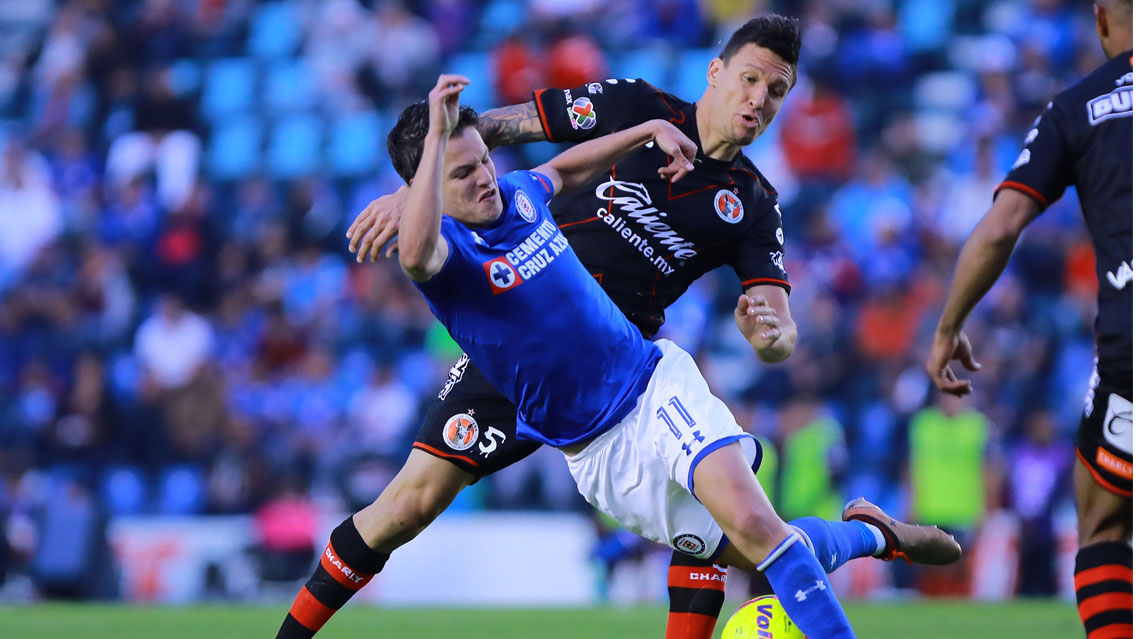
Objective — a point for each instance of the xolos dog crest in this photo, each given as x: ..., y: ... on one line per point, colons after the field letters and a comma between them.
x: 728, y: 206
x: 460, y: 431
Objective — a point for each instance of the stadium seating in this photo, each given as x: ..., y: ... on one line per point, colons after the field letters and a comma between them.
x: 230, y: 85
x: 234, y: 148
x: 289, y: 86
x: 275, y: 30
x: 295, y: 145
x: 357, y: 143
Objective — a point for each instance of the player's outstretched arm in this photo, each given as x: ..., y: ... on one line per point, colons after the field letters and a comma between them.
x: 762, y: 316
x: 423, y: 250
x: 983, y: 258
x: 580, y: 164
x: 514, y: 124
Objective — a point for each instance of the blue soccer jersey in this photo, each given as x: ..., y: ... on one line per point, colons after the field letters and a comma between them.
x: 518, y: 301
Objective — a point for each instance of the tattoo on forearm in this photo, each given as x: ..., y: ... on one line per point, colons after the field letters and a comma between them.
x: 516, y: 124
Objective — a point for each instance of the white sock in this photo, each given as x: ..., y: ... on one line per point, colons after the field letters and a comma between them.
x: 881, y: 543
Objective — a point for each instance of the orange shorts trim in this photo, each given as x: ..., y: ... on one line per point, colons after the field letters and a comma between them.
x: 1101, y: 480
x: 437, y: 453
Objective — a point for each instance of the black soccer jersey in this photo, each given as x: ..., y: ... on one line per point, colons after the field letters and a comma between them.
x: 1084, y: 139
x: 645, y: 239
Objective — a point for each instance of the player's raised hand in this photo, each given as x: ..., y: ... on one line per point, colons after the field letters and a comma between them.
x: 680, y: 148
x: 443, y: 102
x: 376, y: 225
x: 944, y: 348
x: 757, y: 321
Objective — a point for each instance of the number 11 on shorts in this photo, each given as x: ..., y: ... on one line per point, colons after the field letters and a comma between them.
x: 663, y: 414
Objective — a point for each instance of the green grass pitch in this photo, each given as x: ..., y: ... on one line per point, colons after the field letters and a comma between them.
x: 913, y: 620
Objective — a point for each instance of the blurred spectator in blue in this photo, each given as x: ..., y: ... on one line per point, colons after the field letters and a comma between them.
x: 316, y: 403
x: 453, y: 22
x: 872, y: 59
x: 34, y: 406
x: 677, y: 23
x: 72, y: 554
x: 875, y: 200
x: 76, y: 177
x: 130, y: 218
x: 314, y: 284
x: 1050, y: 23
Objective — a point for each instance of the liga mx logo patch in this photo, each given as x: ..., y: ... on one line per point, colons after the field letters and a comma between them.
x: 581, y: 114
x: 502, y: 276
x: 728, y: 206
x: 460, y: 431
x: 524, y: 206
x: 689, y: 544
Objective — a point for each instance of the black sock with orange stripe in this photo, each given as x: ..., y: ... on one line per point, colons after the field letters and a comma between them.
x: 697, y: 589
x: 1103, y: 578
x: 347, y: 564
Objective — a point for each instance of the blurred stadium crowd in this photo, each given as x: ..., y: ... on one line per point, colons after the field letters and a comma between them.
x: 182, y: 330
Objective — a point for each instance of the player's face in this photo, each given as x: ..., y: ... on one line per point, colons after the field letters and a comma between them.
x: 747, y: 92
x: 469, y: 186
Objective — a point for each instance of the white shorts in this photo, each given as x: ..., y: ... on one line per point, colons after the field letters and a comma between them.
x: 641, y: 472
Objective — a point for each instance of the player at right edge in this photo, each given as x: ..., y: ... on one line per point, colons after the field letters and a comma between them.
x: 1084, y: 139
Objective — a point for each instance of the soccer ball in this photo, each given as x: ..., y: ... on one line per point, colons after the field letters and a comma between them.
x: 761, y: 618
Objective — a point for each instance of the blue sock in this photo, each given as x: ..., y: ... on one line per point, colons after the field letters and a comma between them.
x: 804, y: 591
x: 835, y: 542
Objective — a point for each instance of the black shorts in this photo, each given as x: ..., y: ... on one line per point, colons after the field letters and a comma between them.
x: 472, y: 425
x: 1104, y: 441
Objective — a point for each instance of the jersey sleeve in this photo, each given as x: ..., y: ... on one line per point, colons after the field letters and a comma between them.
x: 445, y: 275
x: 590, y: 111
x: 541, y: 184
x: 760, y: 255
x: 1045, y: 166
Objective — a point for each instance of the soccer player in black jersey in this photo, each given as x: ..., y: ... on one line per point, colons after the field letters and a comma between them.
x: 1084, y: 139
x: 645, y: 240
